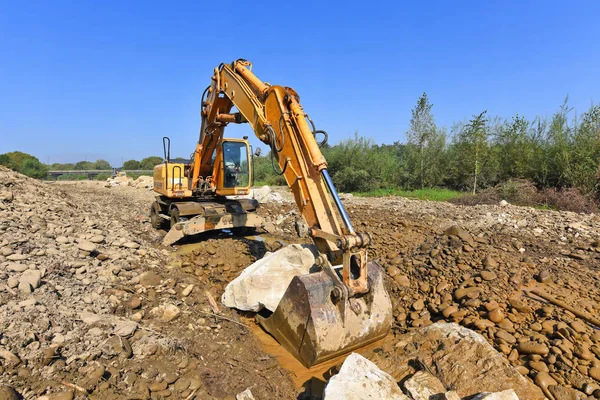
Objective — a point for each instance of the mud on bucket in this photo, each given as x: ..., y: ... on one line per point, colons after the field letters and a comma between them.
x: 314, y: 329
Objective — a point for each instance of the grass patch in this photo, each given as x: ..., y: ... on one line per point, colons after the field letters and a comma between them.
x: 433, y: 194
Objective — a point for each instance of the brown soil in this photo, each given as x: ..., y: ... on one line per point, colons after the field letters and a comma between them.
x: 229, y: 353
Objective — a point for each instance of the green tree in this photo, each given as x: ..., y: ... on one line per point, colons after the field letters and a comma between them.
x: 14, y: 159
x: 33, y: 168
x: 586, y: 150
x: 514, y: 150
x: 426, y: 145
x: 83, y: 165
x: 150, y: 162
x: 560, y: 152
x: 102, y: 164
x: 469, y: 152
x: 4, y: 160
x: 131, y: 165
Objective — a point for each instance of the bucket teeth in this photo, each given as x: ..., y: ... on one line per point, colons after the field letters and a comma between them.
x: 311, y: 327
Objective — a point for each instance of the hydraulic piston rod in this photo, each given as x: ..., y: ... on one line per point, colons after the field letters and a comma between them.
x: 337, y: 201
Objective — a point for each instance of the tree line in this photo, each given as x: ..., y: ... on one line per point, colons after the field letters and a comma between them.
x: 31, y: 166
x: 559, y: 151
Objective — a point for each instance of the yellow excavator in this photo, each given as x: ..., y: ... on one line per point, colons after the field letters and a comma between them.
x: 341, y: 306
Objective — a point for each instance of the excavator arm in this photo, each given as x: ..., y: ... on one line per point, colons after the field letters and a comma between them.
x: 322, y: 314
x: 277, y: 119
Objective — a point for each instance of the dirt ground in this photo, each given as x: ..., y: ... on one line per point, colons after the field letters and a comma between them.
x: 103, y: 269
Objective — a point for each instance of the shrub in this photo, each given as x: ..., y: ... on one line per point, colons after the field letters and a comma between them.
x: 570, y: 199
x: 353, y: 180
x: 33, y: 168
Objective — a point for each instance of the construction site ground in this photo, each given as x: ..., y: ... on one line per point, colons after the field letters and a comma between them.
x: 93, y: 306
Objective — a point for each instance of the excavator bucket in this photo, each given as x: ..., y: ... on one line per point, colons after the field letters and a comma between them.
x: 313, y: 328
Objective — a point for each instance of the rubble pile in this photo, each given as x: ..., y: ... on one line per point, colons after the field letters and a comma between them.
x: 89, y: 305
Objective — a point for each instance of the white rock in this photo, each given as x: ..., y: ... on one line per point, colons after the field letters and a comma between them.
x: 16, y: 267
x: 170, y: 312
x: 503, y: 395
x: 360, y: 379
x: 262, y: 194
x: 32, y: 277
x: 245, y: 395
x: 503, y: 203
x: 97, y: 239
x: 262, y: 284
x: 125, y: 328
x: 186, y: 292
x: 422, y: 385
x: 84, y: 245
x: 90, y: 318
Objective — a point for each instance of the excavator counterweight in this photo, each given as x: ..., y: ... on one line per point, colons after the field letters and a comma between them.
x: 322, y: 314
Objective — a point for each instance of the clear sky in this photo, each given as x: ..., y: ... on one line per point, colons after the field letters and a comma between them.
x: 108, y: 79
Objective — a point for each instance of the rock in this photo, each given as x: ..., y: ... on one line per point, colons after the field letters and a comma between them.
x: 566, y: 393
x: 8, y: 393
x: 504, y: 395
x: 261, y: 195
x: 150, y: 279
x: 16, y: 267
x: 10, y: 359
x: 132, y: 303
x: 131, y: 245
x: 49, y: 355
x: 496, y: 315
x: 422, y: 386
x: 487, y: 275
x: 25, y: 288
x: 463, y: 235
x: 448, y: 311
x: 245, y: 395
x: 507, y: 337
x: 32, y: 277
x: 418, y: 305
x: 503, y: 203
x: 490, y: 263
x: 12, y: 282
x: 393, y: 271
x: 125, y: 328
x: 594, y: 372
x: 57, y: 396
x: 263, y: 284
x: 532, y: 348
x: 360, y: 379
x: 402, y: 280
x: 543, y: 276
x: 186, y: 292
x: 470, y: 292
x: 482, y: 368
x: 84, y: 245
x: 170, y: 312
x: 97, y: 239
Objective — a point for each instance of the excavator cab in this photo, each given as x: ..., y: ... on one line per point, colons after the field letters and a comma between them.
x: 234, y: 174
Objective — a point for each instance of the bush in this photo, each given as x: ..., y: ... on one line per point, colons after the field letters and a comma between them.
x: 33, y: 168
x: 568, y: 200
x: 353, y: 180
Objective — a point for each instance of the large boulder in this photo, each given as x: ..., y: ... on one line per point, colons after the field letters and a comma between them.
x: 262, y: 284
x: 360, y: 379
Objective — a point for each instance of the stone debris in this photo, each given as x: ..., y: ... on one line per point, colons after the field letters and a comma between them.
x: 245, y: 395
x: 504, y: 395
x: 422, y: 386
x: 360, y: 379
x: 263, y: 283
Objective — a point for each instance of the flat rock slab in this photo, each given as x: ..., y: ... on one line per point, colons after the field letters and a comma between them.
x: 459, y: 357
x: 263, y: 283
x: 360, y: 379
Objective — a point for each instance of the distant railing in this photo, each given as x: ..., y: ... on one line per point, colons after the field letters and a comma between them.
x: 91, y: 173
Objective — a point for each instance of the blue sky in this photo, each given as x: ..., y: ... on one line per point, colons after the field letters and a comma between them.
x: 88, y: 79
